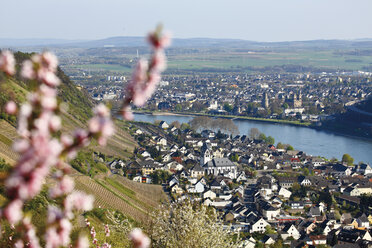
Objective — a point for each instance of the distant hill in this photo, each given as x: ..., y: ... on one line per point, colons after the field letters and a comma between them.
x: 122, y: 41
x: 357, y: 120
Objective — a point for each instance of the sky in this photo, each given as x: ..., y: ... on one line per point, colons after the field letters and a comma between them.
x: 256, y: 20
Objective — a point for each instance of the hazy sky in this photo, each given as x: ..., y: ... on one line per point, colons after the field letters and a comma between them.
x: 259, y: 20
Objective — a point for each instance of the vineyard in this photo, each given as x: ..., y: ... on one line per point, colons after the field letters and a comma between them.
x: 135, y: 200
x: 7, y: 135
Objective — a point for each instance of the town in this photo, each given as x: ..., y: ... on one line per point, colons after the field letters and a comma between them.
x: 265, y: 194
x: 303, y: 97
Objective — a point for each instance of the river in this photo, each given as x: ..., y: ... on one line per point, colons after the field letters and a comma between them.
x: 312, y: 142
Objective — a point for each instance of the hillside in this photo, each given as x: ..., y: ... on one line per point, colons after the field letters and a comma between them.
x: 110, y: 191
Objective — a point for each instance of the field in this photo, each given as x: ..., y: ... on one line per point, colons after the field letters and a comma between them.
x: 237, y: 60
x: 247, y: 60
x: 104, y: 67
x: 135, y: 200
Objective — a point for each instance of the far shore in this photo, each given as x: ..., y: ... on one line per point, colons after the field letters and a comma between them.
x: 235, y: 117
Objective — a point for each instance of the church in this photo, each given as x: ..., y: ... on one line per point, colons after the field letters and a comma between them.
x: 216, y: 166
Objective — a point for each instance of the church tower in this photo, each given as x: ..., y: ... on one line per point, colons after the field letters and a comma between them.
x: 206, y: 154
x: 265, y: 101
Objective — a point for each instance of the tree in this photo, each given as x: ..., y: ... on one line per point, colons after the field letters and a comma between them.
x: 186, y: 225
x: 176, y: 124
x: 178, y: 107
x: 346, y: 158
x: 270, y: 140
x: 185, y: 126
x: 280, y: 146
x: 290, y: 148
x: 262, y: 137
x: 227, y: 107
x: 254, y: 133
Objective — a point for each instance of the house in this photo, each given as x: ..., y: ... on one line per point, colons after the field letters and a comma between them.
x: 174, y: 180
x: 198, y: 187
x: 209, y: 194
x: 287, y: 182
x: 197, y: 171
x: 241, y: 177
x: 117, y: 164
x: 267, y: 240
x: 259, y: 225
x: 149, y: 166
x: 161, y: 141
x: 347, y: 237
x: 285, y: 193
x: 163, y: 125
x: 296, y: 205
x: 248, y: 243
x: 304, y: 181
x: 176, y: 189
x: 364, y: 169
x: 339, y: 170
x: 222, y: 166
x: 270, y: 212
x: 139, y: 132
x: 316, y: 161
x: 174, y: 166
x: 137, y: 178
x: 363, y: 221
x: 290, y: 231
x: 316, y: 240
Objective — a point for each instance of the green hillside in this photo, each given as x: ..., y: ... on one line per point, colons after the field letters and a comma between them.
x: 134, y: 200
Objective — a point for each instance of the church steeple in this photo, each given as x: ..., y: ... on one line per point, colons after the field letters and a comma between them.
x: 206, y: 154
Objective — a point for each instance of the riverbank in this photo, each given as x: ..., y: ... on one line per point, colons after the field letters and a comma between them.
x: 314, y: 142
x: 234, y: 117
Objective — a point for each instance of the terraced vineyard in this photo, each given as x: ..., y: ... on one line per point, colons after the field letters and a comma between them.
x: 7, y: 135
x: 135, y: 200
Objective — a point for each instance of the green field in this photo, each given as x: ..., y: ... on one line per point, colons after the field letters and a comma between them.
x: 105, y: 67
x: 234, y: 60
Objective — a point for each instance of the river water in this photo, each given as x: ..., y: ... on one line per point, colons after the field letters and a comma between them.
x: 312, y: 142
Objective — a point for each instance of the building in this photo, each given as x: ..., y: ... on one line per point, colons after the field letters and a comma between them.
x: 221, y: 166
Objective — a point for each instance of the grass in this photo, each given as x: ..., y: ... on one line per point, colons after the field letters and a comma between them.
x: 121, y: 188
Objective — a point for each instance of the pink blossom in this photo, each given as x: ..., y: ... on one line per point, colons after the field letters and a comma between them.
x: 139, y: 239
x: 13, y: 212
x: 82, y: 137
x: 82, y: 242
x: 27, y: 71
x: 94, y: 125
x: 66, y: 140
x: 50, y: 61
x: 127, y: 114
x: 65, y: 230
x: 101, y: 110
x: 7, y: 62
x: 49, y: 103
x: 19, y: 244
x: 21, y: 145
x: 52, y: 238
x: 55, y: 123
x: 11, y: 107
x: 54, y: 214
x: 65, y: 186
x: 49, y: 78
x: 159, y: 41
x: 79, y: 201
x: 107, y: 230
